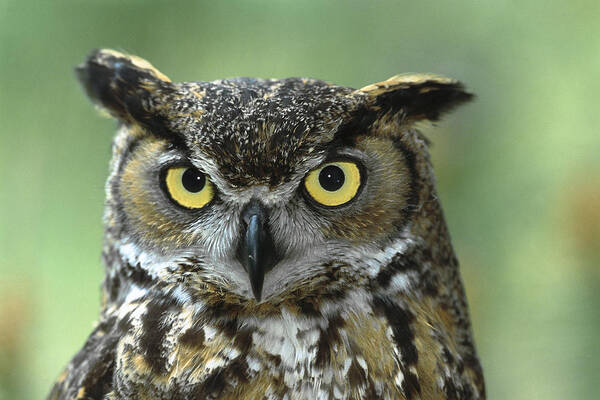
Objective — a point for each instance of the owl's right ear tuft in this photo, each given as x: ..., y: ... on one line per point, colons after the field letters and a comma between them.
x: 416, y: 96
x: 121, y: 83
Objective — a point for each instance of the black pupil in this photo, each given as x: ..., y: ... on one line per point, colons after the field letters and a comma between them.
x: 193, y: 180
x: 331, y: 178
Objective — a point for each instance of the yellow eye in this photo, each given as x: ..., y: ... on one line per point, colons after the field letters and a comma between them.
x: 188, y: 187
x: 333, y: 184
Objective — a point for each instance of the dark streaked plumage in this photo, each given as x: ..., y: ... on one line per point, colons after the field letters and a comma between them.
x: 263, y: 290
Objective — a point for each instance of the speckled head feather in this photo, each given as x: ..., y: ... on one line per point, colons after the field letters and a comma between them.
x: 277, y: 239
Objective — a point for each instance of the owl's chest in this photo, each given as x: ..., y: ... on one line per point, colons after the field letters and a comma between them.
x: 282, y: 358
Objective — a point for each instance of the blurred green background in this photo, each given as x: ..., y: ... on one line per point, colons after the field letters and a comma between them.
x: 518, y: 170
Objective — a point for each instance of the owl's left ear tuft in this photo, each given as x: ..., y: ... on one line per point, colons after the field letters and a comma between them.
x: 120, y: 83
x: 416, y: 96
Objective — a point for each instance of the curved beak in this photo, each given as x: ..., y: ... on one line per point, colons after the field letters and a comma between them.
x: 257, y: 251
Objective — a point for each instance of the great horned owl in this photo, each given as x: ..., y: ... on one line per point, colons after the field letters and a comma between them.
x: 273, y: 239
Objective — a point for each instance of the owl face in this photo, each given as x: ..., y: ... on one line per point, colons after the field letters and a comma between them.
x: 256, y: 189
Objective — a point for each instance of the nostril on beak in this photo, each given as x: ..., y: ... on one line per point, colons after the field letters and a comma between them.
x: 253, y: 208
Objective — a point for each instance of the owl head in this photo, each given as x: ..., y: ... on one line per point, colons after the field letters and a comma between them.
x: 256, y: 192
